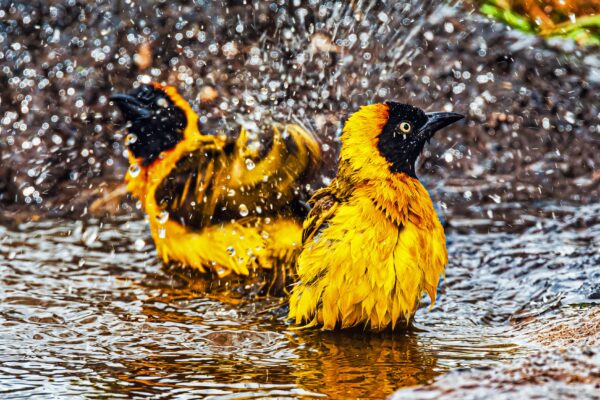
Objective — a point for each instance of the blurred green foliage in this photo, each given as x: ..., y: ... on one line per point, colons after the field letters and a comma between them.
x: 575, y: 19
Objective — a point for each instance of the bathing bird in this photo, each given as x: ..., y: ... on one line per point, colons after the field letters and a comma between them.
x: 228, y: 207
x: 372, y: 243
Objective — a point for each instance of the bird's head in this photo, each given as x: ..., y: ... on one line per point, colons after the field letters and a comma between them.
x: 157, y: 117
x: 383, y: 138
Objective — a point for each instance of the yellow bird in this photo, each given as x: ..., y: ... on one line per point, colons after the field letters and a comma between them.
x: 229, y: 207
x: 372, y: 243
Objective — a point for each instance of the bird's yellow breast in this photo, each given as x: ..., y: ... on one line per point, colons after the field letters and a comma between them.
x: 373, y: 260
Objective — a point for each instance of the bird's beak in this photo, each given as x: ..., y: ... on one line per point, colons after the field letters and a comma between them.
x: 130, y: 106
x: 439, y: 120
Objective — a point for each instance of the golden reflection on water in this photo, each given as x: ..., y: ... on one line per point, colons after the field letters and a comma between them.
x: 355, y: 365
x: 265, y: 357
x: 338, y: 365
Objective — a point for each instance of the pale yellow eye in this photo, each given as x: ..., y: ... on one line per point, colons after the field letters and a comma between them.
x: 405, y: 127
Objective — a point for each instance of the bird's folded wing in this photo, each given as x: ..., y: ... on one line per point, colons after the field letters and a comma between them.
x: 324, y: 205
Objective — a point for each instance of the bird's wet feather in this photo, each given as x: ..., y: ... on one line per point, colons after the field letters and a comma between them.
x: 373, y: 244
x: 221, y: 216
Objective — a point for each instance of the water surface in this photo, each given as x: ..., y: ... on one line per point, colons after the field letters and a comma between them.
x: 86, y: 311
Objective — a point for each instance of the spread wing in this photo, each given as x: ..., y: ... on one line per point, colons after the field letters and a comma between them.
x: 217, y: 182
x: 324, y: 205
x: 270, y: 173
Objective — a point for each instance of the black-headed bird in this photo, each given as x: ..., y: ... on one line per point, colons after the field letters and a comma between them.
x: 230, y: 207
x: 372, y: 243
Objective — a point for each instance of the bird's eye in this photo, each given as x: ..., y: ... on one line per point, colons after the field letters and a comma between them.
x: 405, y: 127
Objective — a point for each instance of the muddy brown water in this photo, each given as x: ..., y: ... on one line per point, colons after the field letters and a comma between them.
x: 86, y: 311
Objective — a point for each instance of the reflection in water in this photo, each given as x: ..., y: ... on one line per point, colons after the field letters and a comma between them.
x: 355, y: 365
x: 88, y: 310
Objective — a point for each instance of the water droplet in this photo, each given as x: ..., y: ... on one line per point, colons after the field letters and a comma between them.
x: 90, y: 235
x: 231, y: 251
x: 230, y: 193
x: 139, y: 244
x: 243, y: 210
x: 264, y: 234
x: 250, y: 164
x: 448, y: 156
x: 130, y: 139
x: 497, y: 199
x: 138, y: 204
x: 570, y: 117
x: 162, y: 217
x: 28, y: 191
x: 162, y: 233
x: 134, y: 170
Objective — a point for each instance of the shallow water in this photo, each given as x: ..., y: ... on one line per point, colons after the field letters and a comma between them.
x: 85, y: 309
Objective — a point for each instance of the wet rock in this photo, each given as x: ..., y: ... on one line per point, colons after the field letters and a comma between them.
x: 568, y: 328
x: 560, y: 374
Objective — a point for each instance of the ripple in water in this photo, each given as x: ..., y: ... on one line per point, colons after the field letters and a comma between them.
x: 85, y: 309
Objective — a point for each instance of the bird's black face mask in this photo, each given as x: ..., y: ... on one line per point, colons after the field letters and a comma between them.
x: 156, y: 124
x: 408, y: 129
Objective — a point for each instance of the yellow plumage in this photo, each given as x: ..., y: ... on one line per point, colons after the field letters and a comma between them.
x: 372, y: 243
x: 225, y: 207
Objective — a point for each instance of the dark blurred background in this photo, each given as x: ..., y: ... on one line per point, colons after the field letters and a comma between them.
x: 533, y: 111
